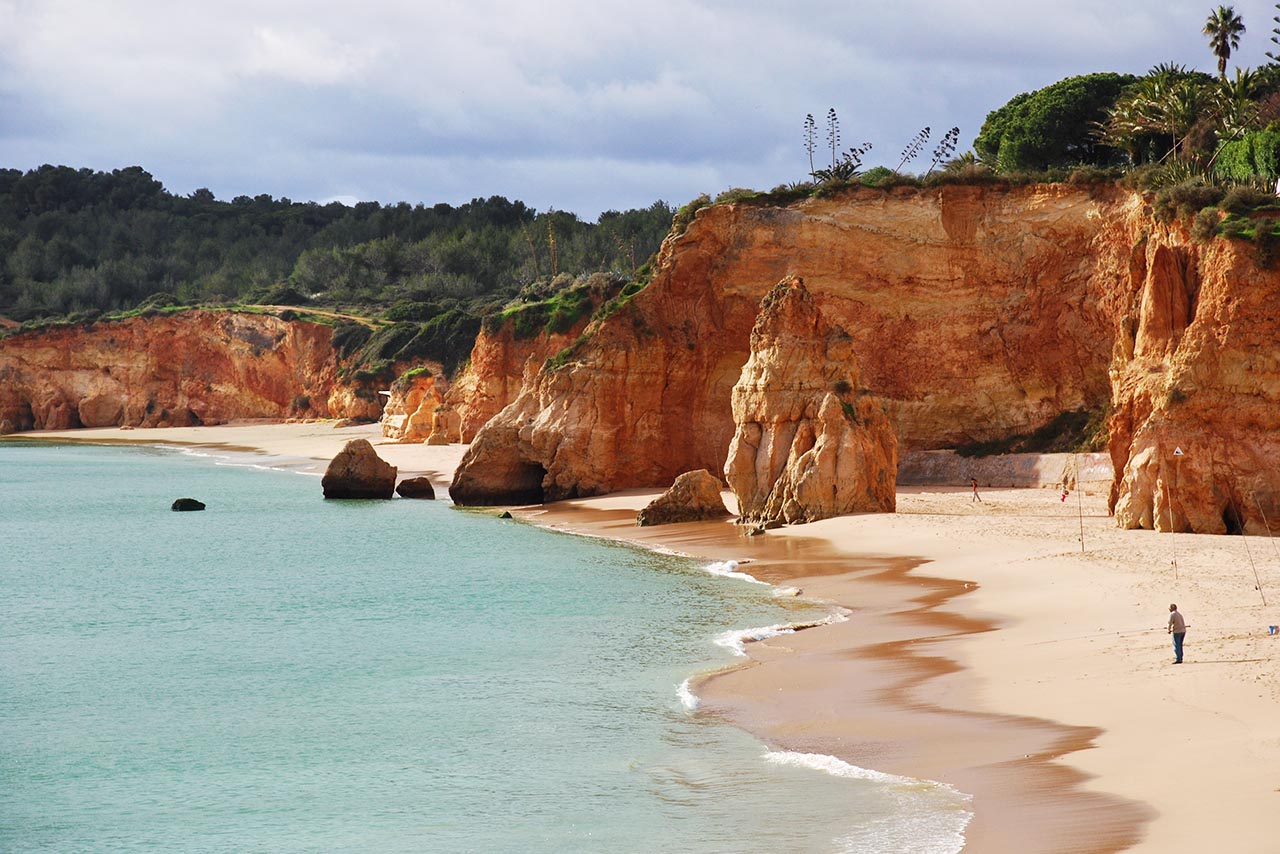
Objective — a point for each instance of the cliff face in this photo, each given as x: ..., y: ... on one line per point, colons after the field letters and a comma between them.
x: 810, y: 443
x: 975, y: 313
x: 191, y: 368
x: 407, y: 416
x: 1197, y: 370
x: 501, y: 364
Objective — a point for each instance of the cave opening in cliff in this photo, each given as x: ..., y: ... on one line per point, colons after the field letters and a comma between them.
x: 26, y: 419
x: 525, y: 486
x: 1231, y: 519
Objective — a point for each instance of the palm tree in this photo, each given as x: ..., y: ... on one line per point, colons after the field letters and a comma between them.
x: 1224, y: 28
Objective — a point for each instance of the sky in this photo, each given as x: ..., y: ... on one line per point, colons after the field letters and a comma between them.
x: 572, y: 105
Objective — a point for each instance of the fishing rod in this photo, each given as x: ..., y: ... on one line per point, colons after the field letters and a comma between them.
x: 1095, y: 635
x: 1263, y: 514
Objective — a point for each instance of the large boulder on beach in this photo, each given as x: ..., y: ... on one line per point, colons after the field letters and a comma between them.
x: 358, y: 472
x: 694, y: 497
x: 416, y: 487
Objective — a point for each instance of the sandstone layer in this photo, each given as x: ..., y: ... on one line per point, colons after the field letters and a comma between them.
x: 1194, y: 434
x: 192, y: 368
x: 810, y: 442
x: 974, y: 311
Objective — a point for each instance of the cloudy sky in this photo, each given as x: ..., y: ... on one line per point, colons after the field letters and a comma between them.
x: 580, y: 105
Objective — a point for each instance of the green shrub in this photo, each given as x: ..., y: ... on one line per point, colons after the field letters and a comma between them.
x: 1256, y: 154
x: 1244, y: 199
x: 873, y: 176
x: 281, y: 294
x: 684, y: 216
x: 1182, y: 201
x: 1205, y: 226
x: 736, y: 194
x: 1089, y: 174
x: 567, y: 309
x: 408, y: 310
x: 1266, y: 242
x: 349, y: 336
x: 1236, y: 228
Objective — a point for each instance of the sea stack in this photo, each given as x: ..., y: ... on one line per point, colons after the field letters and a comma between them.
x: 810, y: 443
x: 358, y: 472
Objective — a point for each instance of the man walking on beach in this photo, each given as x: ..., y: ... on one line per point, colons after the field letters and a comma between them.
x: 973, y: 481
x: 1177, y: 628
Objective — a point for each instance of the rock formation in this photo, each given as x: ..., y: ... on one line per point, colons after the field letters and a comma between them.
x: 974, y: 311
x: 196, y: 367
x: 358, y: 472
x: 1198, y: 371
x: 415, y: 487
x: 407, y: 417
x: 446, y: 426
x: 186, y: 505
x: 694, y: 497
x: 810, y: 442
x: 501, y: 366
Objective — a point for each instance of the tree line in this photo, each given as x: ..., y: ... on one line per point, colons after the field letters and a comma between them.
x: 79, y: 241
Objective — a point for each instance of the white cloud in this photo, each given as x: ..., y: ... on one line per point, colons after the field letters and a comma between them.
x: 305, y: 57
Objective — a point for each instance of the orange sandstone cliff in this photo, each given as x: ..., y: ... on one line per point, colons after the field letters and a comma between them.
x: 1196, y: 392
x: 974, y: 313
x: 190, y: 368
x: 971, y: 310
x: 501, y: 365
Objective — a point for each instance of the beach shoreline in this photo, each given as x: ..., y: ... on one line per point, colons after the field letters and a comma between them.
x: 988, y: 648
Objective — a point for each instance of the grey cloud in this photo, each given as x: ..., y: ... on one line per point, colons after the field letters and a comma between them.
x: 576, y: 104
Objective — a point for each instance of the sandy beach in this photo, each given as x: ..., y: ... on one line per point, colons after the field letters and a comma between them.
x: 1014, y: 648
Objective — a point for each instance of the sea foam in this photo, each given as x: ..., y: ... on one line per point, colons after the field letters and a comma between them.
x: 729, y: 569
x: 687, y: 698
x: 909, y: 830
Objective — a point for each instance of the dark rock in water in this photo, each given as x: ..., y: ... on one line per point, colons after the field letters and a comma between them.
x: 358, y: 472
x: 694, y: 497
x: 187, y: 504
x: 505, y: 514
x: 416, y: 487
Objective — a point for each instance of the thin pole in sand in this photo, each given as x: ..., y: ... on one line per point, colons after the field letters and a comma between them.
x: 1168, y: 501
x: 1263, y: 514
x: 1079, y: 502
x: 1257, y: 582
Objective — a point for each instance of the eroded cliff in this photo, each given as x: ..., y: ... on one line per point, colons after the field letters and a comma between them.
x: 973, y: 311
x: 190, y: 368
x: 1194, y: 433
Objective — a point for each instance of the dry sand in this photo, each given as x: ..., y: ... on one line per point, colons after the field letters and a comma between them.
x: 984, y: 648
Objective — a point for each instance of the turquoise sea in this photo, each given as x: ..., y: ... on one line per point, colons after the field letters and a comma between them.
x: 282, y: 673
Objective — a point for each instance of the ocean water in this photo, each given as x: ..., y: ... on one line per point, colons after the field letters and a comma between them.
x: 282, y: 673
